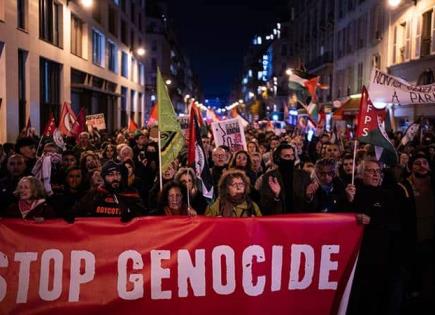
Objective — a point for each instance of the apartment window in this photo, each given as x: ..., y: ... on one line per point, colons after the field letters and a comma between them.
x: 141, y: 73
x: 133, y: 68
x: 376, y: 63
x: 139, y: 108
x: 124, y: 92
x: 22, y: 14
x: 50, y: 82
x: 426, y: 33
x: 395, y: 44
x: 132, y: 105
x: 22, y: 57
x: 112, y: 52
x: 132, y: 12
x: 50, y: 21
x: 76, y: 36
x: 97, y: 48
x: 113, y: 21
x: 124, y: 65
x: 132, y: 39
x: 96, y: 11
x: 124, y: 32
x: 360, y: 75
x: 116, y: 2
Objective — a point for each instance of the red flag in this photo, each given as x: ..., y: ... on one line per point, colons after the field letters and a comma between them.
x: 50, y: 127
x: 153, y: 116
x: 132, y: 126
x: 371, y: 129
x: 67, y: 120
x: 311, y: 86
x: 192, y: 138
x: 198, y: 113
x: 80, y: 123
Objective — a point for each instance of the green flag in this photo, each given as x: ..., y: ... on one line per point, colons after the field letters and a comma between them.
x: 171, y: 136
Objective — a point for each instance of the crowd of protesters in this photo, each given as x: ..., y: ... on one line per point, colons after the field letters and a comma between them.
x: 102, y: 175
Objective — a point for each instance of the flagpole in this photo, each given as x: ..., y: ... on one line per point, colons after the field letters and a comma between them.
x: 354, y: 160
x: 39, y: 144
x: 160, y: 162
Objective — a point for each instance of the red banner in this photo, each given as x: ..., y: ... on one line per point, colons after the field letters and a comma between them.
x: 298, y: 264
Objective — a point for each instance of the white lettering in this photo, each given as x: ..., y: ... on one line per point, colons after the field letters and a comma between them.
x: 296, y: 255
x: 326, y: 265
x: 158, y: 273
x: 367, y: 119
x: 25, y: 259
x: 276, y: 268
x: 45, y: 293
x: 228, y: 253
x: 3, y: 284
x: 187, y: 271
x: 247, y: 261
x: 136, y: 279
x: 365, y: 131
x: 76, y: 277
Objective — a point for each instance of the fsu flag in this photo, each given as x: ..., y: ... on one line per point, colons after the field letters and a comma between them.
x: 371, y: 130
x: 197, y: 158
x: 50, y: 127
x: 67, y: 120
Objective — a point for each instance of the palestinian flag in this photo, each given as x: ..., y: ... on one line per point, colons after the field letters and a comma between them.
x: 371, y: 130
x: 197, y: 157
x: 304, y: 86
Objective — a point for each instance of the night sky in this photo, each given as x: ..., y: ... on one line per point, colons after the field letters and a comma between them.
x: 215, y: 35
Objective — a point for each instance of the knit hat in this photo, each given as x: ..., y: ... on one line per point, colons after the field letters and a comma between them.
x: 110, y: 166
x: 416, y: 157
x: 24, y: 142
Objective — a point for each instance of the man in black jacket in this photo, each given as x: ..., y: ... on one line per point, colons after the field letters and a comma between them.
x: 111, y: 199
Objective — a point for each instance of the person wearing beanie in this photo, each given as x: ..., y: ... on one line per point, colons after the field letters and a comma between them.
x: 26, y: 147
x: 418, y: 209
x: 112, y: 199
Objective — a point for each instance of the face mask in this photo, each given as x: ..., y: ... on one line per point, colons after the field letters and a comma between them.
x: 286, y: 165
x: 151, y: 155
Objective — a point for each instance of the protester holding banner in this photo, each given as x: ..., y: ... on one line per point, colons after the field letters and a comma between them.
x: 233, y: 200
x: 418, y: 208
x: 173, y: 200
x: 379, y: 280
x: 186, y: 176
x: 31, y: 202
x: 111, y: 199
x: 283, y: 190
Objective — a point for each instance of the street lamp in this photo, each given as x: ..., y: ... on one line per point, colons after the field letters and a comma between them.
x: 168, y: 82
x: 87, y: 3
x: 140, y: 51
x: 394, y: 3
x: 289, y: 72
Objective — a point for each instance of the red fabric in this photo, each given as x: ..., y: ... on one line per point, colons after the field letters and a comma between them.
x: 191, y: 149
x: 50, y: 127
x: 132, y: 126
x: 153, y: 115
x: 80, y: 123
x: 368, y: 115
x: 311, y: 86
x: 158, y: 244
x: 67, y: 120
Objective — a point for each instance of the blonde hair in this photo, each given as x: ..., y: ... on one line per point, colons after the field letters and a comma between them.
x: 35, y: 186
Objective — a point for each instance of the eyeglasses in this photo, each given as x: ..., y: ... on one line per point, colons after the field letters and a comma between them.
x: 373, y: 171
x: 238, y: 185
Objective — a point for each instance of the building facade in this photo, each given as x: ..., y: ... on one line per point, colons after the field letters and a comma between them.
x: 54, y: 51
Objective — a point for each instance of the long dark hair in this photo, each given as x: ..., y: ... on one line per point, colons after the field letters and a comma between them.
x: 163, y: 196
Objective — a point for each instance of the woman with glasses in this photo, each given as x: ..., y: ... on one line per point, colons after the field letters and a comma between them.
x: 233, y: 200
